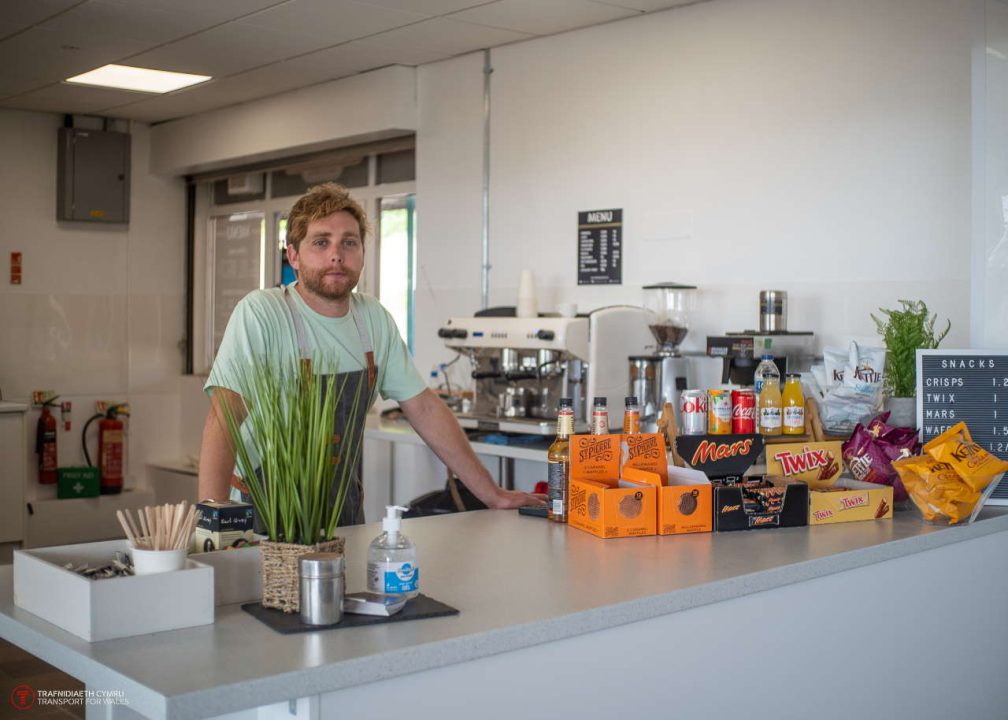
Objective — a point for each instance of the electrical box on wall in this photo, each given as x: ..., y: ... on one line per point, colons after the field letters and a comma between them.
x: 93, y: 177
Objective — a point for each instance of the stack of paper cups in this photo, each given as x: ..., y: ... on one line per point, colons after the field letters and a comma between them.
x: 527, y: 304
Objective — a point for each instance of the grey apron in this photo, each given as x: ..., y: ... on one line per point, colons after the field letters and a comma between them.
x: 356, y: 384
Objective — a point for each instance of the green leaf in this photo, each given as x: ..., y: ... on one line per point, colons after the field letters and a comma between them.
x: 903, y: 331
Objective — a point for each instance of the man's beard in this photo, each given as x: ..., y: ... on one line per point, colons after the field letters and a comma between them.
x: 316, y: 283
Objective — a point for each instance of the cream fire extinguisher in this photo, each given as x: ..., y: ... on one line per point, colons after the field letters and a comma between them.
x: 45, y: 444
x: 111, y: 443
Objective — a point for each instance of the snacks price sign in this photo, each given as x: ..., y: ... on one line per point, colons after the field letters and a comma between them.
x: 968, y: 386
x: 600, y: 247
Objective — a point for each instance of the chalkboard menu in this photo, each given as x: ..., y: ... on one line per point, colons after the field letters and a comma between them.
x: 969, y: 386
x: 600, y: 247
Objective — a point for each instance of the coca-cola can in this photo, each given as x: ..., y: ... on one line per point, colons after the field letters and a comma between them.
x: 719, y: 415
x: 743, y: 411
x: 693, y: 411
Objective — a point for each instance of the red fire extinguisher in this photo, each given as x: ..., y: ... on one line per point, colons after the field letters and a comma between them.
x: 45, y: 445
x: 111, y: 441
x: 110, y: 452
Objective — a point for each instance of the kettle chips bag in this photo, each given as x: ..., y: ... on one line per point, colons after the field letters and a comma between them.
x: 950, y: 479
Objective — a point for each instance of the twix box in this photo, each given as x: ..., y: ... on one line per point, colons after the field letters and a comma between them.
x: 849, y: 500
x: 598, y: 503
x: 816, y: 463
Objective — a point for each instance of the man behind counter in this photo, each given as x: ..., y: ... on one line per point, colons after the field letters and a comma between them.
x: 326, y: 229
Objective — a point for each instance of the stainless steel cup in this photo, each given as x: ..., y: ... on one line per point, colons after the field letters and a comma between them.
x: 773, y: 311
x: 322, y: 588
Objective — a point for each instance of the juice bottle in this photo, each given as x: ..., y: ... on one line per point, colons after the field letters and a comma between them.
x: 558, y: 463
x: 793, y: 400
x: 770, y: 407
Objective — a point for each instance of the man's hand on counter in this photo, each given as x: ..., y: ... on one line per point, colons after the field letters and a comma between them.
x: 510, y: 499
x: 434, y: 422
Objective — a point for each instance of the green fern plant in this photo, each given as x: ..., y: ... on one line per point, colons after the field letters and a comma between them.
x: 903, y: 331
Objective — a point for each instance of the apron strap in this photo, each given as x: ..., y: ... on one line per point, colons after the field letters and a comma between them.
x: 362, y: 333
x: 365, y: 341
x: 302, y: 340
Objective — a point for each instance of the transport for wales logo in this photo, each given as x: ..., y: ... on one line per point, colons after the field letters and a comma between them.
x: 22, y: 697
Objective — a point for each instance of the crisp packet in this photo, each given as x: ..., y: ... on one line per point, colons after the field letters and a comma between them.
x: 975, y: 466
x: 870, y: 450
x: 854, y: 386
x: 936, y: 488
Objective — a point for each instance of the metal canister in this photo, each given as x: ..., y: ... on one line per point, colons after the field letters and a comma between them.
x: 743, y: 411
x: 693, y: 411
x: 772, y: 311
x: 322, y: 586
x: 719, y: 411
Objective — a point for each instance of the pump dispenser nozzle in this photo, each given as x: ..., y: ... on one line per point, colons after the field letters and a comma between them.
x: 392, y: 558
x: 393, y: 518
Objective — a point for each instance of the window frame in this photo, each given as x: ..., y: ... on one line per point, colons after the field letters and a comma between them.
x: 204, y: 211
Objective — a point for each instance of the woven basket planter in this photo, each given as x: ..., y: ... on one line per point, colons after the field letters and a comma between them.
x: 280, y: 580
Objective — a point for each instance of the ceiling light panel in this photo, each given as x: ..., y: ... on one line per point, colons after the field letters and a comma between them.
x: 125, y: 77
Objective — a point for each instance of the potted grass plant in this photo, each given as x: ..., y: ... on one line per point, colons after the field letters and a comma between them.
x: 904, y: 330
x: 284, y: 450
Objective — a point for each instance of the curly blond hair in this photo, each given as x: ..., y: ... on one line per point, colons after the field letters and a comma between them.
x: 319, y: 202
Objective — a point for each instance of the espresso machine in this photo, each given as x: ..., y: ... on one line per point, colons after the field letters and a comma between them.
x: 658, y: 378
x: 521, y: 367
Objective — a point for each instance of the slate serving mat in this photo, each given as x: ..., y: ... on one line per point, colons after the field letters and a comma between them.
x: 418, y: 608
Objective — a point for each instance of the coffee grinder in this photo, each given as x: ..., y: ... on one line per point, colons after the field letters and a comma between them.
x: 658, y: 379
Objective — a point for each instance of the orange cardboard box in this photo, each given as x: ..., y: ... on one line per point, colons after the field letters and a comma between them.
x: 816, y: 463
x: 608, y: 511
x: 685, y: 503
x: 595, y: 457
x: 685, y: 499
x: 597, y: 502
x: 645, y: 451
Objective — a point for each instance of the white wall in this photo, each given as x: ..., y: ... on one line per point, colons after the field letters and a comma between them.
x: 370, y: 106
x: 101, y: 309
x: 814, y: 146
x: 990, y: 174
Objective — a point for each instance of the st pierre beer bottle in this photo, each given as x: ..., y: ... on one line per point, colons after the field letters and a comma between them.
x: 558, y: 463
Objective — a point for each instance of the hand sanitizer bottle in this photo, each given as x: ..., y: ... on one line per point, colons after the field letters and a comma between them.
x: 391, y: 563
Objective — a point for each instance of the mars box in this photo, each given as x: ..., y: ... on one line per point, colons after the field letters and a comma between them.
x: 760, y: 503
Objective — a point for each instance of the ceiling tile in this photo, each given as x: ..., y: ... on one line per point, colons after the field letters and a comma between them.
x: 9, y: 28
x: 66, y: 98
x: 332, y: 20
x: 446, y: 37
x: 110, y: 20
x: 352, y: 58
x: 39, y: 57
x: 207, y: 11
x: 542, y: 18
x: 251, y: 85
x: 648, y: 5
x: 226, y: 50
x: 428, y: 7
x: 29, y: 12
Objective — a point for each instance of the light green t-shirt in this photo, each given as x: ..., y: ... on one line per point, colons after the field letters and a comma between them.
x: 261, y: 327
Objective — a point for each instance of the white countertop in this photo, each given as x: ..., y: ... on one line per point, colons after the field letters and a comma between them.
x: 518, y: 581
x: 6, y: 406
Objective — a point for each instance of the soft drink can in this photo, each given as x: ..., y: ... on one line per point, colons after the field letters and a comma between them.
x: 719, y: 417
x: 743, y: 411
x: 693, y: 410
